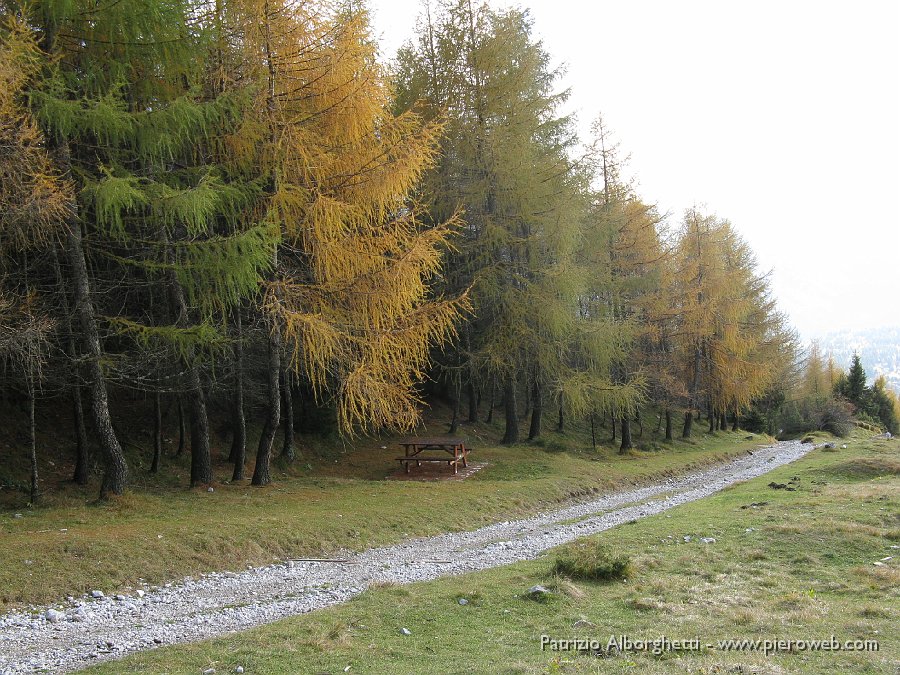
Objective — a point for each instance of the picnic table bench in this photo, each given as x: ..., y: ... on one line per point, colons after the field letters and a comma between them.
x: 434, y: 449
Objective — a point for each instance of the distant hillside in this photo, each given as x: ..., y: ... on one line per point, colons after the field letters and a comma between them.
x: 879, y: 349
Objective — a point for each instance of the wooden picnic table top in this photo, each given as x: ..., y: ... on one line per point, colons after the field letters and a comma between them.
x: 432, y: 440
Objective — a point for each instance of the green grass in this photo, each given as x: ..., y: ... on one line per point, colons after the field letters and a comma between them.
x: 591, y: 559
x: 334, y: 496
x: 785, y: 564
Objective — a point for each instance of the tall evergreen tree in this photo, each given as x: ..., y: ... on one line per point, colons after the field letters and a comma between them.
x: 157, y: 200
x: 855, y: 388
x: 348, y: 300
x: 505, y: 163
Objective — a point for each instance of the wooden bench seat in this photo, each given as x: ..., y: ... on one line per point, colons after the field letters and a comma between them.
x: 416, y: 453
x: 428, y: 459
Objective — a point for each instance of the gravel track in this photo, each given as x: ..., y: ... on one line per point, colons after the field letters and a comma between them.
x: 86, y: 630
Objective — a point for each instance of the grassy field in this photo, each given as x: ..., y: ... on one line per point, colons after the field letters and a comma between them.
x: 786, y: 564
x: 333, y: 497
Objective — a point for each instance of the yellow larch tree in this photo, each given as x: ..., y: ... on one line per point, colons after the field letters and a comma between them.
x: 350, y: 294
x: 733, y: 337
x: 34, y: 203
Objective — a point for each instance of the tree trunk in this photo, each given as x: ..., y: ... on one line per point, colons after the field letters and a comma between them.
x: 593, y: 434
x: 182, y: 430
x: 613, y: 425
x: 688, y: 422
x: 526, y: 413
x: 473, y: 402
x: 560, y: 423
x: 712, y: 421
x: 734, y: 426
x: 201, y: 464
x: 490, y: 417
x: 511, y: 434
x: 668, y: 424
x: 626, y: 436
x: 238, y: 455
x: 695, y: 385
x: 157, y: 432
x: 32, y: 438
x: 115, y: 469
x: 287, y: 446
x: 82, y: 450
x: 640, y: 423
x: 454, y: 421
x: 261, y: 474
x: 537, y: 410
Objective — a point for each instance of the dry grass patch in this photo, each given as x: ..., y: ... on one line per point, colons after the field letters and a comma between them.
x: 875, y: 612
x: 869, y: 467
x: 649, y: 605
x: 567, y: 588
x: 879, y: 578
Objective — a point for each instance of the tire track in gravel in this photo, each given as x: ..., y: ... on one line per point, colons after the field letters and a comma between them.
x: 87, y: 630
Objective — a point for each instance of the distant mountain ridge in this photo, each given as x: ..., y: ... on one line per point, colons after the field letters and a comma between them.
x: 879, y: 351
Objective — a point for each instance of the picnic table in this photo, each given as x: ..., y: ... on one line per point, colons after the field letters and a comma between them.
x: 434, y: 449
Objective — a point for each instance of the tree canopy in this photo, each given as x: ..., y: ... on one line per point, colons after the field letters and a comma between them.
x: 235, y: 208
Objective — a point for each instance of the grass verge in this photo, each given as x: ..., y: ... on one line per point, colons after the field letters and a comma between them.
x: 785, y: 564
x: 333, y: 499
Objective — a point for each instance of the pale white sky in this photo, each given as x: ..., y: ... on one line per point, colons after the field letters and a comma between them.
x: 781, y: 116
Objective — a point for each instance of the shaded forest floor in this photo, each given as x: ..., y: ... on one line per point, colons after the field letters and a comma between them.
x: 333, y: 497
x: 816, y: 561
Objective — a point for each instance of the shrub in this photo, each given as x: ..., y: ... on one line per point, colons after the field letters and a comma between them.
x: 872, y: 421
x: 754, y: 421
x: 590, y: 559
x: 833, y: 415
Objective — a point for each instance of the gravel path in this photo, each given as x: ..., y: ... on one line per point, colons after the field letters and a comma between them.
x: 85, y: 630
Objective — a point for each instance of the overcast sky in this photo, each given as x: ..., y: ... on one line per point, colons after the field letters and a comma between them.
x: 783, y: 117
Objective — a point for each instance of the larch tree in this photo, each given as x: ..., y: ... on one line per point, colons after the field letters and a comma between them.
x: 123, y: 101
x: 505, y: 164
x: 602, y: 378
x: 35, y: 203
x: 815, y: 383
x: 349, y: 301
x: 734, y: 338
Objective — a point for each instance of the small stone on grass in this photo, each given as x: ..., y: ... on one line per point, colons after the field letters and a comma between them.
x: 538, y: 592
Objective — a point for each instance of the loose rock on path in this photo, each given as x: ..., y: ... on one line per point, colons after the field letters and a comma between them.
x: 86, y: 630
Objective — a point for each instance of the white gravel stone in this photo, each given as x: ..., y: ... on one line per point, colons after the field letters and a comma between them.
x: 197, y: 609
